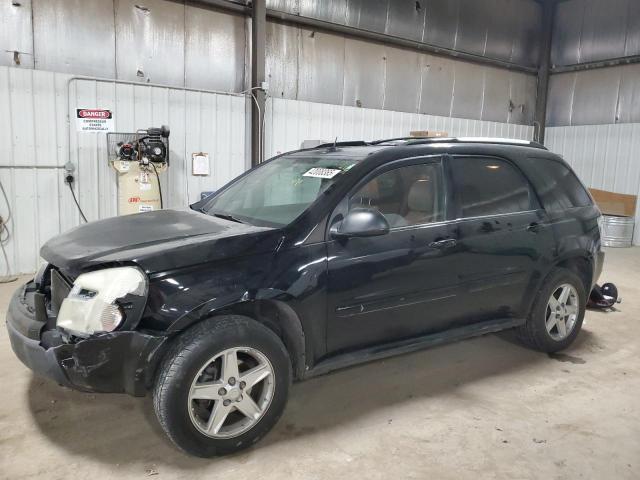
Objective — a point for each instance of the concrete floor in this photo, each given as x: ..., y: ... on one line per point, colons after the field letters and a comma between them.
x: 483, y: 408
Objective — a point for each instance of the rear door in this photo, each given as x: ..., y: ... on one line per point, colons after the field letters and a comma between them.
x: 503, y: 238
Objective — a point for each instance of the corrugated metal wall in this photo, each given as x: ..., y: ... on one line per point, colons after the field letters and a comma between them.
x: 313, y: 66
x: 170, y: 43
x: 592, y: 30
x: 34, y: 133
x: 591, y: 97
x: 154, y: 41
x: 502, y: 29
x: 604, y: 156
x: 290, y: 122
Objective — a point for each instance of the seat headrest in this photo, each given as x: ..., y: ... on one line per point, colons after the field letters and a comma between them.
x: 421, y: 196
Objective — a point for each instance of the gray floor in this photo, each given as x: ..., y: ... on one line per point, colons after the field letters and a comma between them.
x: 483, y: 408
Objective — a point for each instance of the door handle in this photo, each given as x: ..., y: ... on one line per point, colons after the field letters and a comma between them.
x: 446, y: 243
x: 534, y: 227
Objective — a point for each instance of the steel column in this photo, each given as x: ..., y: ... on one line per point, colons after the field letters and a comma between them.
x: 258, y: 42
x: 540, y: 118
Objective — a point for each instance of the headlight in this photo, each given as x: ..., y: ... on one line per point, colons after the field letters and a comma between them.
x: 91, y: 304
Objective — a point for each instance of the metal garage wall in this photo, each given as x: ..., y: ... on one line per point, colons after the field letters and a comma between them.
x: 603, y: 156
x: 290, y: 122
x: 311, y: 66
x: 502, y: 29
x: 34, y: 139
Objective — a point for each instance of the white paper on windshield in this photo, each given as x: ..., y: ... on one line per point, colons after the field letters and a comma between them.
x: 318, y: 172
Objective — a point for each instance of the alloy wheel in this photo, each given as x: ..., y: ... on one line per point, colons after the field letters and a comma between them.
x: 231, y: 392
x: 562, y: 312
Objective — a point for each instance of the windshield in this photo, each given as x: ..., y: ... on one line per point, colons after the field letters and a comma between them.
x: 279, y: 191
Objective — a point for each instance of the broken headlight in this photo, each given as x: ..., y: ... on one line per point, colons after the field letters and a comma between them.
x: 92, y: 306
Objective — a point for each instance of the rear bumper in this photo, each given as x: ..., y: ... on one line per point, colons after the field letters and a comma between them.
x: 110, y: 362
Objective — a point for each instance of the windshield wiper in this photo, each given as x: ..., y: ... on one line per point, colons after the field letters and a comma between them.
x: 226, y: 216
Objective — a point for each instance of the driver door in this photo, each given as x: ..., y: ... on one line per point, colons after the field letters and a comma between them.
x: 397, y: 285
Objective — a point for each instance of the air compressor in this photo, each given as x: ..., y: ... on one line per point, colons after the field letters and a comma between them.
x: 139, y: 158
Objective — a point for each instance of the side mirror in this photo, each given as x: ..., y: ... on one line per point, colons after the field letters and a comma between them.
x: 361, y: 222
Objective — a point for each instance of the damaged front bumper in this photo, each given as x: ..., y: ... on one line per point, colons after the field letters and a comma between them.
x: 113, y: 362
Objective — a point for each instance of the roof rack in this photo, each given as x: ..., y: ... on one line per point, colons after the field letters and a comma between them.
x: 428, y: 140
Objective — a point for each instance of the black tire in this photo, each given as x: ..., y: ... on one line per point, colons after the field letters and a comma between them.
x: 534, y: 332
x: 189, y: 352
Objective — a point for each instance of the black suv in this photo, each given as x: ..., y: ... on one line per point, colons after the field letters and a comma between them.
x: 313, y: 261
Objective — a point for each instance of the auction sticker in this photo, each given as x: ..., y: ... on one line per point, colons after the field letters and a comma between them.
x: 318, y: 172
x: 94, y: 120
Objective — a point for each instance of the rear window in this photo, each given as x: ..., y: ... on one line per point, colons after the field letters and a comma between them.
x: 488, y: 186
x: 556, y: 184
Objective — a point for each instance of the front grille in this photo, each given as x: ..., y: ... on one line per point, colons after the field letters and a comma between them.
x: 60, y: 288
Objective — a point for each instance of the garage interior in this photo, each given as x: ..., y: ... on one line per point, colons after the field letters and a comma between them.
x: 240, y: 82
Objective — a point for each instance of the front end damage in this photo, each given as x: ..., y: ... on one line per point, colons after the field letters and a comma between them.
x: 114, y: 362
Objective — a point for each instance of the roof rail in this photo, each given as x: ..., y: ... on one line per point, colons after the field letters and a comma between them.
x: 427, y: 140
x: 351, y: 143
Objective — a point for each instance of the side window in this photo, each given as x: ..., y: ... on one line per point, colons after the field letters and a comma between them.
x: 557, y: 186
x: 411, y: 195
x: 487, y: 186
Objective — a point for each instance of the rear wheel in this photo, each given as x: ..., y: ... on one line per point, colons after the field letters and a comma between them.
x: 223, y: 386
x: 557, y: 313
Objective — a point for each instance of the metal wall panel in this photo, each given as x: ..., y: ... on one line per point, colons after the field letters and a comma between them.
x: 602, y: 96
x: 367, y: 14
x: 472, y: 27
x: 320, y: 75
x: 591, y: 30
x: 328, y: 68
x: 364, y: 70
x: 34, y: 132
x: 495, y: 100
x: 290, y: 122
x: 214, y: 50
x: 468, y: 91
x: 502, y: 29
x: 438, y: 76
x: 16, y: 34
x: 603, y: 156
x: 629, y: 97
x: 334, y: 11
x: 281, y: 63
x: 74, y: 36
x: 441, y: 22
x: 596, y: 96
x: 150, y: 41
x: 402, y: 80
x: 405, y: 19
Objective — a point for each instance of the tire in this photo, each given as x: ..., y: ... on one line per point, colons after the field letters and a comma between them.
x: 534, y: 333
x: 189, y: 423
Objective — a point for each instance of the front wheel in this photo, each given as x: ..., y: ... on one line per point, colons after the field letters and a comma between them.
x: 557, y: 313
x: 223, y: 386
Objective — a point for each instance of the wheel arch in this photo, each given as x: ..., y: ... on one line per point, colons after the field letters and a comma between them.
x: 582, y: 265
x: 276, y: 315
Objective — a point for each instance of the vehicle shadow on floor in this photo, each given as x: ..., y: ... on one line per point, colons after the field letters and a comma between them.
x: 119, y: 429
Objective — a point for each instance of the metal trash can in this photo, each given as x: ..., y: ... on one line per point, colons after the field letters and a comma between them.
x: 617, y: 231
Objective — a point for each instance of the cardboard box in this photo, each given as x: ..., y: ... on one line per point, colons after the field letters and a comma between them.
x: 611, y: 203
x: 428, y: 134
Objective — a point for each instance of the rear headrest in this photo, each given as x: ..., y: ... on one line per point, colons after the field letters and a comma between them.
x: 421, y: 196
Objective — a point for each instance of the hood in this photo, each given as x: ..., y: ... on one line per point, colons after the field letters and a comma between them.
x: 157, y: 241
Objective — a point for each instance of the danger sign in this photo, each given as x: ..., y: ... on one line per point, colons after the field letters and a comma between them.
x: 94, y: 120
